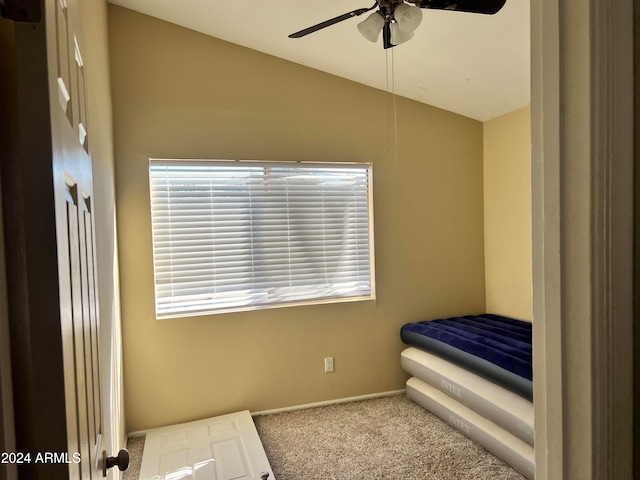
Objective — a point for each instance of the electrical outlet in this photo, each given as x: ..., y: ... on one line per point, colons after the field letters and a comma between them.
x: 328, y: 364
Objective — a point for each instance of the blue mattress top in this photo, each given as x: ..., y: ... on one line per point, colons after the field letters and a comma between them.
x: 498, y: 341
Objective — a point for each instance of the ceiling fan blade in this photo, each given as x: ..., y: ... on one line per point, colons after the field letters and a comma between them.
x: 332, y: 21
x: 488, y: 7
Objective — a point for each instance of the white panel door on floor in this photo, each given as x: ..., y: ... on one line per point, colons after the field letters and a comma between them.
x: 218, y: 448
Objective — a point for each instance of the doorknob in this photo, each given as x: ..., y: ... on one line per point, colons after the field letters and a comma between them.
x: 122, y: 461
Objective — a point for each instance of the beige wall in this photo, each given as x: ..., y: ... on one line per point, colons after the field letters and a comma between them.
x: 507, y: 214
x: 177, y: 93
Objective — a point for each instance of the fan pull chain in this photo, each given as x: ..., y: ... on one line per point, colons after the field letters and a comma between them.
x: 391, y: 93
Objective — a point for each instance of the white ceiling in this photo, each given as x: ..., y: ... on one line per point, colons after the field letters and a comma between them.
x: 471, y: 64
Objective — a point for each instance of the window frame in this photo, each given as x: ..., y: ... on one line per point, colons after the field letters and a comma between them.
x: 280, y: 304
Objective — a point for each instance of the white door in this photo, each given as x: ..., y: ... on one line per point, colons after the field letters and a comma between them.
x: 47, y: 177
x: 218, y: 448
x: 73, y: 188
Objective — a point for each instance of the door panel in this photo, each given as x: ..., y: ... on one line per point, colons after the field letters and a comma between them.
x: 81, y: 364
x: 63, y: 74
x: 219, y: 448
x: 69, y: 321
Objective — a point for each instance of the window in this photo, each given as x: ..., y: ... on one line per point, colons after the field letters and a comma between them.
x: 242, y: 235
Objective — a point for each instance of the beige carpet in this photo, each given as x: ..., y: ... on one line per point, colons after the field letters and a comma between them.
x: 385, y: 438
x: 135, y: 445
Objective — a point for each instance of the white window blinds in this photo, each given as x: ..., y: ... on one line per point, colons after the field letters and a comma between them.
x: 230, y: 235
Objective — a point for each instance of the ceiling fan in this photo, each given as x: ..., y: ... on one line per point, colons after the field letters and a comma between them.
x: 397, y: 19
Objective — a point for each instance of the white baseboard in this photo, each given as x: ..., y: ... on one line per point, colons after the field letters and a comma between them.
x: 142, y: 433
x: 329, y: 402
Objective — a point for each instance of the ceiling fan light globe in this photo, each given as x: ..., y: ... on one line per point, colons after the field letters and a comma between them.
x: 398, y: 36
x: 408, y: 17
x: 371, y: 27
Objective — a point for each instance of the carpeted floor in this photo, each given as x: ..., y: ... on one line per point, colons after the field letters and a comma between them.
x: 384, y: 438
x: 135, y: 445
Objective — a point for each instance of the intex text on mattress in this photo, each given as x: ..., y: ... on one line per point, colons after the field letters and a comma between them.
x: 496, y: 347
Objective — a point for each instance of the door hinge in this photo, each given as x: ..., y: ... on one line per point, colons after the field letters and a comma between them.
x: 21, y: 10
